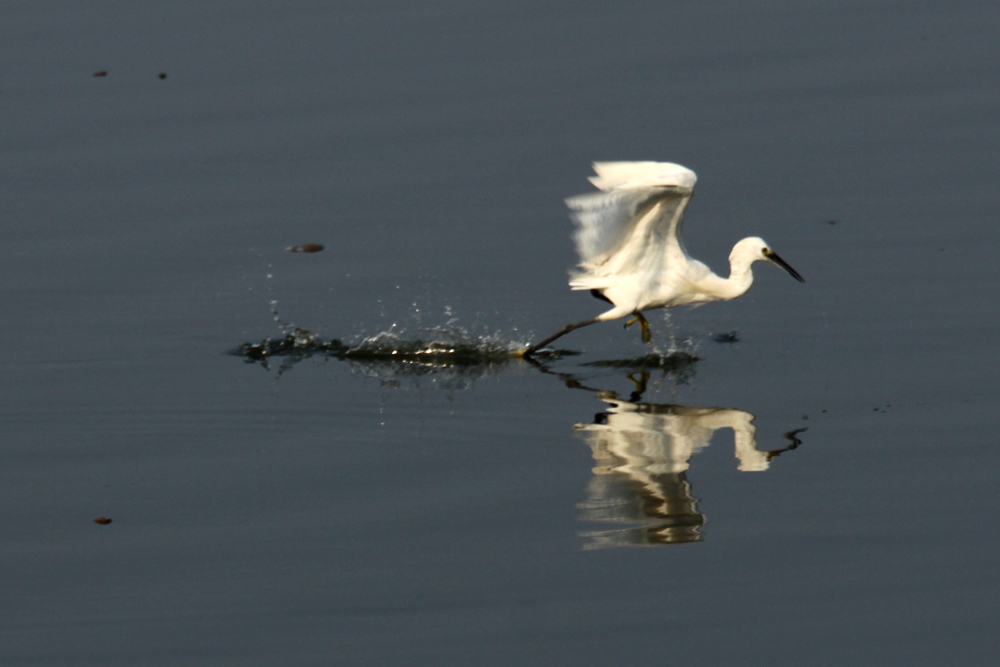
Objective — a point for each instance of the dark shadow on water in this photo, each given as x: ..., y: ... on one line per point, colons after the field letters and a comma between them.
x: 672, y: 361
x: 679, y: 366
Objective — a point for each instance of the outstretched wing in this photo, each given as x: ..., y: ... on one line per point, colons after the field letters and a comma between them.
x: 626, y: 221
x: 641, y: 203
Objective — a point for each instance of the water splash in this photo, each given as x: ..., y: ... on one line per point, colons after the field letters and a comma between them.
x: 449, y: 350
x: 441, y: 349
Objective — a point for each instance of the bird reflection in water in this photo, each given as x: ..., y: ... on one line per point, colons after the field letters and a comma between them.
x: 642, y: 450
x: 642, y: 453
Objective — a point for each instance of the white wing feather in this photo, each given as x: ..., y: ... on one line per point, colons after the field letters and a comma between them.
x: 605, y: 221
x: 632, y: 175
x: 632, y: 228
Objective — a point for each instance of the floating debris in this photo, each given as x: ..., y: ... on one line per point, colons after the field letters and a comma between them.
x: 163, y: 75
x: 103, y: 72
x: 730, y: 337
x: 306, y: 247
x: 103, y: 520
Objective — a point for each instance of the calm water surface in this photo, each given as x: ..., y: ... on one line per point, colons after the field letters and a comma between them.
x: 322, y: 511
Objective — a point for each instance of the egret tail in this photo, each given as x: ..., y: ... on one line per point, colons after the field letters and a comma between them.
x: 562, y: 332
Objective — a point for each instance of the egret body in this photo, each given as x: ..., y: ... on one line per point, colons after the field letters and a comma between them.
x: 628, y: 239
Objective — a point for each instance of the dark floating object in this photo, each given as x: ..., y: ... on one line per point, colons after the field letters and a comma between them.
x: 730, y: 337
x: 305, y: 247
x: 103, y: 72
x: 163, y: 75
x: 103, y: 520
x: 831, y: 222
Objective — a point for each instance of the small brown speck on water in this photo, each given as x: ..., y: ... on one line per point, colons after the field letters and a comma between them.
x: 103, y: 520
x: 307, y: 247
x: 103, y: 72
x: 163, y: 75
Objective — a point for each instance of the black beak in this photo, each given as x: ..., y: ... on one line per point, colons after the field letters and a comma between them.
x: 774, y: 259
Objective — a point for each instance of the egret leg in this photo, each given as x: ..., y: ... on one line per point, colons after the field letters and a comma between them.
x: 647, y: 335
x: 640, y: 385
x: 559, y: 334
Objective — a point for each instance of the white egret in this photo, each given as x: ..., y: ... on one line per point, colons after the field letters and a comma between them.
x: 628, y: 239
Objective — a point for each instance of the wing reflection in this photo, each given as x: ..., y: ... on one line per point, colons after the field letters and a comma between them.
x: 642, y: 452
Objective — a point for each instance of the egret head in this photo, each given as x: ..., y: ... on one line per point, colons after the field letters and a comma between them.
x: 755, y: 248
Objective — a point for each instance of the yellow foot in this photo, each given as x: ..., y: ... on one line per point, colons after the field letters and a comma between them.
x: 647, y: 335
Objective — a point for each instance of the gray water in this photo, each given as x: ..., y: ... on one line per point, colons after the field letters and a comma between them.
x: 320, y: 510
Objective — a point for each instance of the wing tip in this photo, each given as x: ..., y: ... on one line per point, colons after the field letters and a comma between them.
x: 629, y: 175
